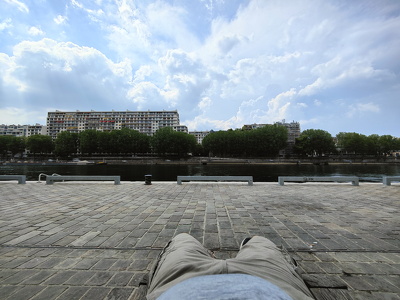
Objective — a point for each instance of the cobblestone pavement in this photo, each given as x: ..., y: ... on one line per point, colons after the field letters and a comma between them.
x: 97, y: 240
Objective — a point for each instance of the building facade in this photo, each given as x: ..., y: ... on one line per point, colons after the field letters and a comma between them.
x: 147, y: 122
x: 23, y: 130
x: 199, y: 135
x: 293, y: 133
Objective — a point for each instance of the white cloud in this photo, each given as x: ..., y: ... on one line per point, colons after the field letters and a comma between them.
x: 47, y: 73
x: 20, y: 5
x: 34, y: 31
x: 317, y: 102
x: 5, y: 24
x: 361, y: 108
x: 60, y: 19
x: 220, y: 63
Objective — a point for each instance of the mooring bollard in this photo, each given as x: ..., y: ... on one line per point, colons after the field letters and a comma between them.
x: 147, y: 179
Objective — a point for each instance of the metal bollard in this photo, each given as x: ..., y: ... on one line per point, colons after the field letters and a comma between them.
x: 147, y: 179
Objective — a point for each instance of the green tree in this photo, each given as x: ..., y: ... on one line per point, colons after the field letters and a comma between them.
x: 104, y: 142
x: 351, y: 142
x: 372, y: 145
x: 40, y: 144
x: 132, y: 141
x: 387, y: 143
x: 89, y: 141
x: 16, y: 145
x: 268, y: 140
x: 261, y: 142
x: 66, y: 143
x: 315, y: 142
x: 4, y: 141
x: 167, y: 141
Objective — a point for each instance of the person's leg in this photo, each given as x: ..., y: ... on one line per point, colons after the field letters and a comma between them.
x: 183, y: 257
x: 261, y: 257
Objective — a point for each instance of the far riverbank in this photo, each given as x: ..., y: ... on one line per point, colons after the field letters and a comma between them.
x: 203, y: 161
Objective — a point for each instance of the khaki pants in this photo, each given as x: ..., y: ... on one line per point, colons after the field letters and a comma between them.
x: 184, y: 257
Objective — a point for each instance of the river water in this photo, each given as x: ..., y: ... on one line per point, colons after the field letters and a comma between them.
x: 169, y: 172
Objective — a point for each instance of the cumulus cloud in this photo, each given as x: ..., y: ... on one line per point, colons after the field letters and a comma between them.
x: 35, y: 31
x: 49, y: 73
x: 221, y: 64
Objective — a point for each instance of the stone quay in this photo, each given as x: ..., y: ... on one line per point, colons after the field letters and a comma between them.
x: 96, y: 240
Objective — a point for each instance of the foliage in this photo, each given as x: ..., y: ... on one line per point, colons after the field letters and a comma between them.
x: 124, y: 141
x: 12, y: 144
x: 261, y: 142
x: 167, y: 141
x: 315, y: 142
x: 66, y: 143
x: 355, y: 143
x: 40, y: 144
x: 89, y: 141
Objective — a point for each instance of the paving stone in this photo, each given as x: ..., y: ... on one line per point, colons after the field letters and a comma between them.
x: 120, y: 293
x: 96, y: 293
x: 60, y: 277
x: 99, y: 278
x: 109, y: 236
x: 49, y: 293
x: 39, y: 277
x: 26, y: 292
x: 80, y: 278
x: 73, y: 292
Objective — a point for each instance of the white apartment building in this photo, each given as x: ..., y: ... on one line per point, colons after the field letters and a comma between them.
x: 199, y: 135
x: 23, y: 130
x: 147, y: 122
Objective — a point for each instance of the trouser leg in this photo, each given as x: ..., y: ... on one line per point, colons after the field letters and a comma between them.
x: 261, y: 257
x: 184, y: 257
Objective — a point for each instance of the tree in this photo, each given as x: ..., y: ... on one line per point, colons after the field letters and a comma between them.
x: 315, y: 142
x: 167, y: 141
x: 12, y: 144
x: 40, y: 144
x: 89, y: 141
x: 261, y: 142
x: 4, y: 145
x: 268, y: 140
x: 104, y: 142
x: 387, y: 143
x: 66, y: 143
x: 352, y: 142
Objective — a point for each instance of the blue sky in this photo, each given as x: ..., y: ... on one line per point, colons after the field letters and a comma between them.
x: 328, y: 64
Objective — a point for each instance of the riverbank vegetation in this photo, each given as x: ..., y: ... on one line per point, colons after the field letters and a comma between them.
x: 257, y: 143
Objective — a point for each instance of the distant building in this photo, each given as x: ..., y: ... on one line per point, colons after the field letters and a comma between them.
x: 23, y: 130
x: 147, y: 122
x: 293, y: 133
x: 199, y: 135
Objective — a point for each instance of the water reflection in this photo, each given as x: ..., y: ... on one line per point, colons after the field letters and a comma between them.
x: 168, y: 172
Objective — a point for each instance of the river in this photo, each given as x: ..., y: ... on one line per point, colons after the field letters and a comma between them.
x: 169, y: 172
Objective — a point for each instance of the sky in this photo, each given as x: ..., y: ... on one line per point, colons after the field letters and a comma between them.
x: 328, y: 64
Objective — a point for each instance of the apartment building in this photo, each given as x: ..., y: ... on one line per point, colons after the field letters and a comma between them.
x: 199, y: 135
x: 147, y: 122
x: 23, y: 130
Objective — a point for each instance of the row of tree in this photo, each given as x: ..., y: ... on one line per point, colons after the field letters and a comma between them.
x: 89, y: 142
x: 316, y: 142
x: 261, y: 142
